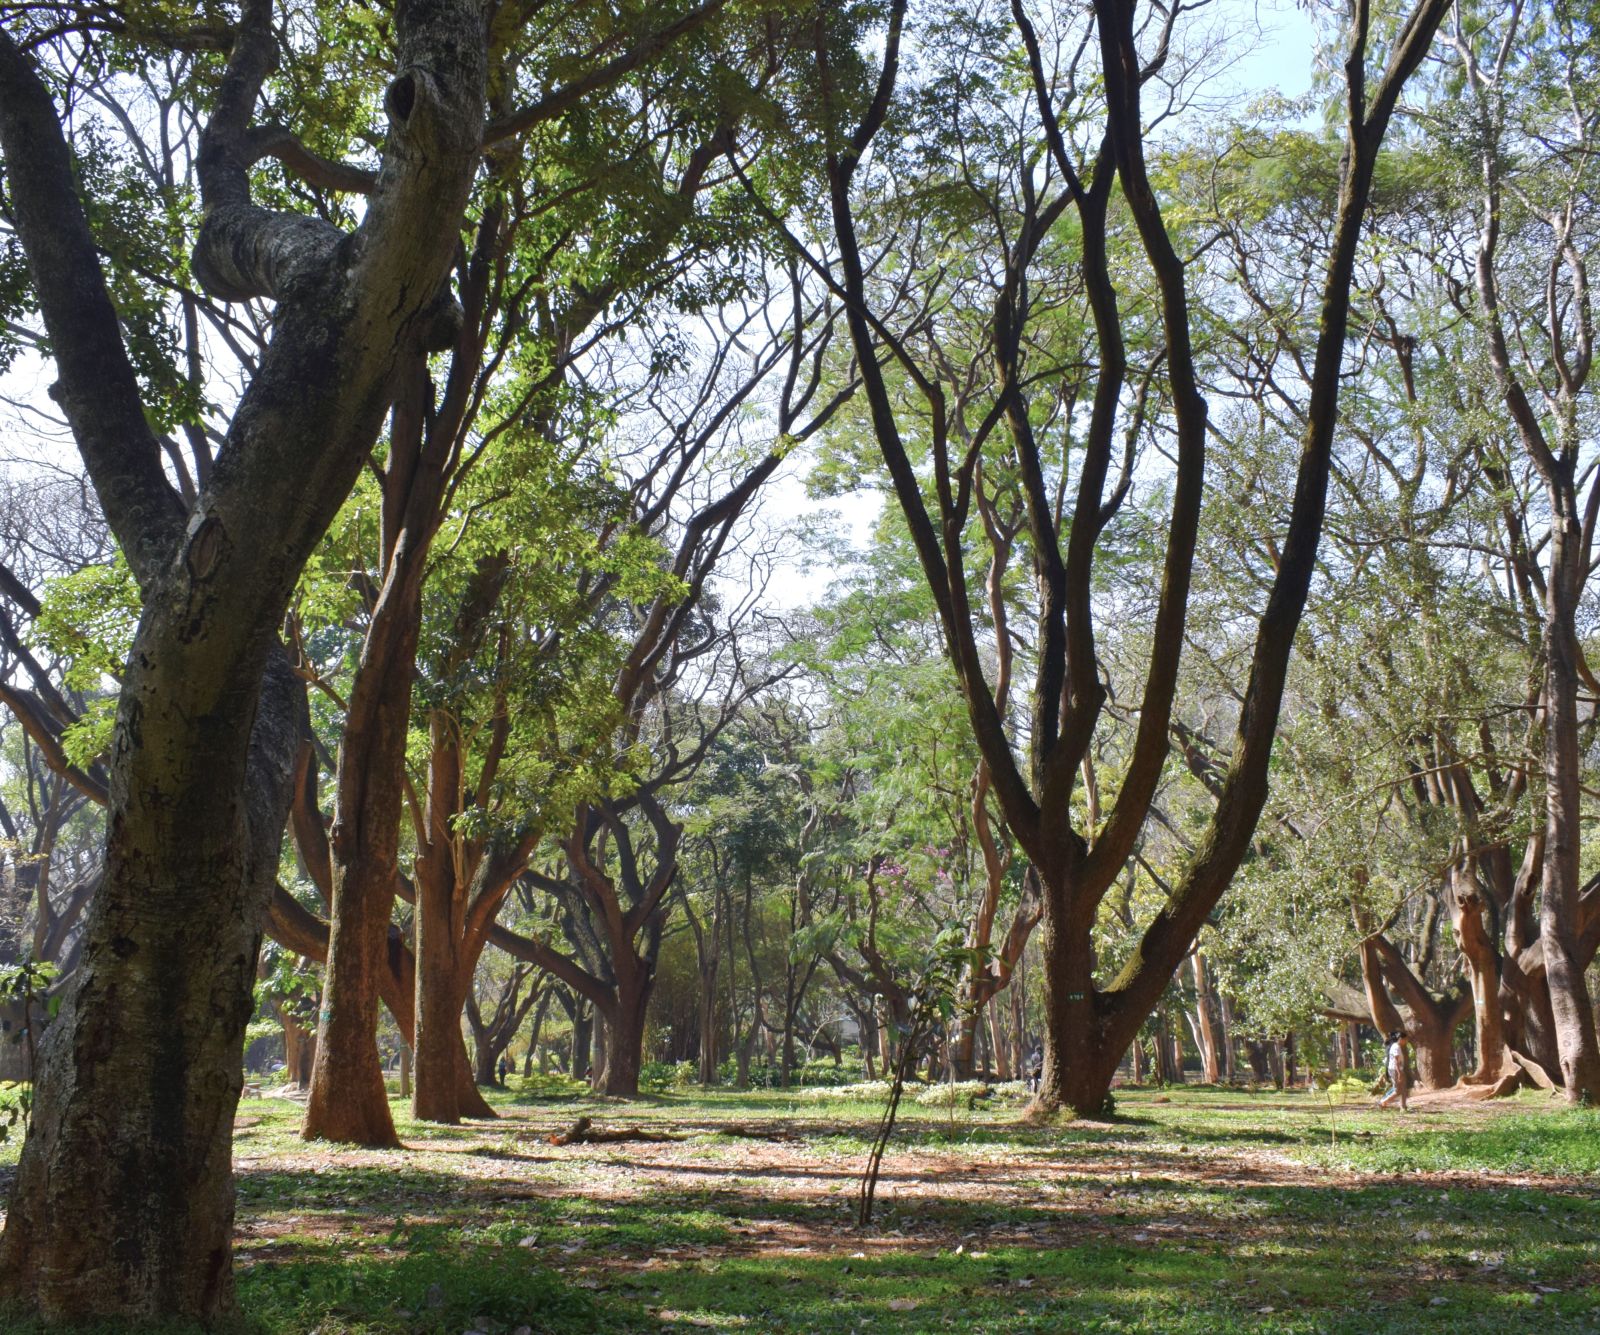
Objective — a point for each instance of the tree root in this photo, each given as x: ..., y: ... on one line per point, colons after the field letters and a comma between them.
x: 1534, y: 1071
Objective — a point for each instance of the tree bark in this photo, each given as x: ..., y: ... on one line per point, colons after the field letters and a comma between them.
x: 1467, y: 910
x: 123, y: 1206
x: 1206, y: 1036
x: 349, y: 1101
x: 624, y: 1036
x: 299, y: 1051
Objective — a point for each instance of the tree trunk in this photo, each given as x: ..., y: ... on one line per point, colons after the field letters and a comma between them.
x: 349, y: 1101
x: 438, y: 1049
x: 1260, y: 1066
x: 444, y: 1086
x: 624, y: 1038
x: 786, y: 1050
x: 1207, y: 1037
x: 484, y: 1054
x: 1570, y: 1004
x: 708, y: 1023
x: 299, y: 1051
x: 1078, y: 1064
x: 582, y: 1039
x: 124, y: 1195
x: 997, y: 1042
x: 1483, y: 970
x: 469, y: 1097
x: 964, y: 1043
x: 1230, y: 1059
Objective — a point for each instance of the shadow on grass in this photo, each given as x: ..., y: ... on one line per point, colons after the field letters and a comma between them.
x: 335, y: 1293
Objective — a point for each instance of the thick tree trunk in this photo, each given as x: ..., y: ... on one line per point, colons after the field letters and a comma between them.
x: 1483, y: 971
x: 1570, y: 1004
x: 124, y: 1199
x: 444, y: 1086
x: 624, y: 1040
x: 124, y: 1194
x: 1078, y: 1064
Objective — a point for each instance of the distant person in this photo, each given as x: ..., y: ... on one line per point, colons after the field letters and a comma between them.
x: 505, y: 1069
x: 1394, y: 1059
x: 1035, y: 1068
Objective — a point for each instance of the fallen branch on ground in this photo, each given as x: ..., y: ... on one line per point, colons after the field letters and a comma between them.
x: 746, y: 1132
x: 584, y: 1132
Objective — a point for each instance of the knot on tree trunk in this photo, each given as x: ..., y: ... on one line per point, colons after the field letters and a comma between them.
x: 441, y: 323
x: 418, y: 116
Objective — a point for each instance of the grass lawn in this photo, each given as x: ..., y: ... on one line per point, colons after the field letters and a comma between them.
x: 1195, y: 1211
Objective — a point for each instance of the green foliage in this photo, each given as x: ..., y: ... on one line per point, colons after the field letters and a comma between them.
x: 660, y: 1076
x: 87, y: 619
x: 25, y: 986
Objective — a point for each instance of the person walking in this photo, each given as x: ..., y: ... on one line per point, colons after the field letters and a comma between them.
x: 1399, y: 1073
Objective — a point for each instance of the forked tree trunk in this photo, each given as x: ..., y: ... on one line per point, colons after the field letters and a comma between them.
x: 1430, y: 1022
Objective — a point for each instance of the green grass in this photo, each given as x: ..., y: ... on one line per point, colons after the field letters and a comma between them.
x: 1202, y: 1211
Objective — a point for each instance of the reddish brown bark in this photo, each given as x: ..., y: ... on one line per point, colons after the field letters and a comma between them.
x: 1429, y: 1021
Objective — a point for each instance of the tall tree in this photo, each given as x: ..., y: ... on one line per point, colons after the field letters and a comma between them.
x: 1531, y: 100
x: 1026, y: 193
x: 124, y: 1197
